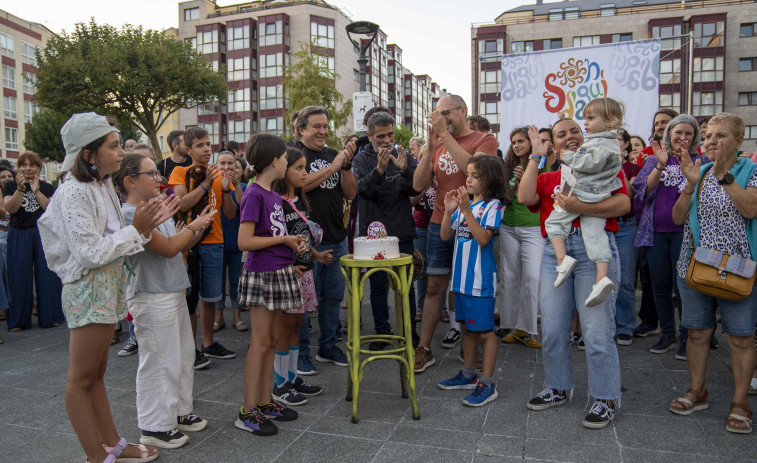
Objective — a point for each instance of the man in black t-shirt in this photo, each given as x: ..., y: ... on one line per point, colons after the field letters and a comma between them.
x: 329, y: 181
x: 178, y: 157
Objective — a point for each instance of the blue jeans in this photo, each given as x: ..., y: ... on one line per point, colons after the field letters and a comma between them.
x: 329, y: 286
x: 232, y: 266
x: 625, y: 304
x: 736, y: 317
x: 662, y: 258
x: 379, y: 293
x: 597, y: 323
x: 211, y: 262
x: 421, y: 283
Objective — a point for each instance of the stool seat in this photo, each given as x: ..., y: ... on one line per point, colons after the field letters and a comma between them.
x: 400, y: 274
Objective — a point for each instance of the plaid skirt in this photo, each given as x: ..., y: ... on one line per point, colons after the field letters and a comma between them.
x: 276, y: 290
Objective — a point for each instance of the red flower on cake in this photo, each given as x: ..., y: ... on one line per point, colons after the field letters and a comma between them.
x: 379, y: 256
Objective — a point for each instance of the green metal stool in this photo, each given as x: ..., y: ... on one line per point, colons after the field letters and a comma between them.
x: 400, y: 274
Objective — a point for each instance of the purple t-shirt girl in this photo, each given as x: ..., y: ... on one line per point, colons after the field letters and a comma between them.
x: 264, y: 208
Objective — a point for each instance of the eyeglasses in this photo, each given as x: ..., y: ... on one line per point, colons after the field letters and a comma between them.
x: 446, y: 112
x: 152, y: 173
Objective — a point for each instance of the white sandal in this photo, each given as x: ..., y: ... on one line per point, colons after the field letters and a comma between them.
x: 144, y: 453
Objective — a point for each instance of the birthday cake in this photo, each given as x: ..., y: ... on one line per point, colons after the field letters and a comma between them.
x: 376, y: 248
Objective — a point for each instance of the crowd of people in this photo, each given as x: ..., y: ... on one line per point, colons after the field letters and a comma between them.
x: 543, y: 246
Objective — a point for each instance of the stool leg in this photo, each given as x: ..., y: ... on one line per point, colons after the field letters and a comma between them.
x: 399, y: 311
x: 354, y: 333
x: 405, y: 282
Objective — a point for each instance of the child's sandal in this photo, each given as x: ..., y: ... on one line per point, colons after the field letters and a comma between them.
x: 144, y: 453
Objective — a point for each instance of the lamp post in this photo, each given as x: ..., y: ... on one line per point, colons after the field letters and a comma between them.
x: 354, y: 30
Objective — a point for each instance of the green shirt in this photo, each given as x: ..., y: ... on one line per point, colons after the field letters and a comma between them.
x: 518, y: 215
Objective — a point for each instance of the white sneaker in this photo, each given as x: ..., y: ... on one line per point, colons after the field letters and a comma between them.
x: 564, y: 269
x: 599, y: 292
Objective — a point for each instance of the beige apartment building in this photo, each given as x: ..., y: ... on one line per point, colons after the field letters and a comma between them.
x: 252, y: 41
x: 723, y: 69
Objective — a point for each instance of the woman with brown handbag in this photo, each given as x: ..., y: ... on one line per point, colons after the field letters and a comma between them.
x: 718, y: 204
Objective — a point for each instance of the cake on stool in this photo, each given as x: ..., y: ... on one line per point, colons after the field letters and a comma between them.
x: 377, y: 245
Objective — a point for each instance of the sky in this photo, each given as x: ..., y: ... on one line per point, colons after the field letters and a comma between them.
x: 433, y: 34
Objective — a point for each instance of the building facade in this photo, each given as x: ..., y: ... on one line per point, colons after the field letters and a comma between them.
x: 19, y: 41
x: 252, y: 41
x: 724, y: 64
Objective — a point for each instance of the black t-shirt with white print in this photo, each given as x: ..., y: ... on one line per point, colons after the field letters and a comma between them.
x: 326, y: 200
x: 30, y: 211
x: 296, y: 225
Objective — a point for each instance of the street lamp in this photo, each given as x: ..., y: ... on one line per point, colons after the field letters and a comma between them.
x: 354, y: 31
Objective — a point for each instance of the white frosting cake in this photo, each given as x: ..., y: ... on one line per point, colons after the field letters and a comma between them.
x: 376, y: 248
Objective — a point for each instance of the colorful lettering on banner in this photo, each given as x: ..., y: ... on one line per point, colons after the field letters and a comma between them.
x: 571, y: 88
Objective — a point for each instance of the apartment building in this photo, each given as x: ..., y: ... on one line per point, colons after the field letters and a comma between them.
x: 723, y: 64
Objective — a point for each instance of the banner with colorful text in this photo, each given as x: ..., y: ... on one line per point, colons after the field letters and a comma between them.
x: 538, y: 88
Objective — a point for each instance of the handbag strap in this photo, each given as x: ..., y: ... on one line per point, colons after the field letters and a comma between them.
x: 295, y: 208
x: 699, y: 196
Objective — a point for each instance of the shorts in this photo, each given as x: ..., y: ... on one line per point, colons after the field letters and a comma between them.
x: 98, y: 297
x: 211, y: 271
x: 309, y: 298
x: 276, y: 290
x: 438, y: 252
x: 736, y: 317
x: 477, y: 313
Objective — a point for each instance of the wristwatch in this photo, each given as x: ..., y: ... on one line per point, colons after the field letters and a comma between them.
x: 727, y: 179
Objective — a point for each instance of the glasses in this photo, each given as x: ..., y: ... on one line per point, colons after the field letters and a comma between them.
x: 152, y: 173
x: 446, y: 112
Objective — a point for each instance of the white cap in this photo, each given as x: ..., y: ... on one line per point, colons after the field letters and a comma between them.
x: 81, y: 130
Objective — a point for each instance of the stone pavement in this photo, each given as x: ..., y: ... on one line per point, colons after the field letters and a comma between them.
x: 35, y: 427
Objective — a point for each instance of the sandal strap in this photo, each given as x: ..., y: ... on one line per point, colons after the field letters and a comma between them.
x: 122, y: 443
x: 744, y: 407
x: 684, y: 401
x: 699, y: 395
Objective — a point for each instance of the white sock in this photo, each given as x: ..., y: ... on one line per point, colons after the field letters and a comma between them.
x: 452, y: 322
x: 294, y: 353
x: 281, y: 367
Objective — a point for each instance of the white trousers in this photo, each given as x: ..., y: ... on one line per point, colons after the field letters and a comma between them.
x: 520, y: 250
x: 166, y: 359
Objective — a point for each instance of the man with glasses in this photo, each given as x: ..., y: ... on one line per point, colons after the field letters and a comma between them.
x: 451, y: 143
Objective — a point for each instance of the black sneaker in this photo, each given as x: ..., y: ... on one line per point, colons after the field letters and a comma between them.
x: 498, y: 331
x: 287, y: 394
x: 200, y: 360
x: 681, y: 354
x: 256, y: 423
x: 130, y: 347
x: 645, y: 329
x: 216, y: 350
x: 278, y: 412
x: 339, y: 332
x: 624, y: 339
x: 166, y: 439
x: 452, y: 338
x: 305, y: 388
x: 548, y: 398
x: 601, y: 414
x: 190, y: 423
x: 580, y: 344
x: 666, y: 342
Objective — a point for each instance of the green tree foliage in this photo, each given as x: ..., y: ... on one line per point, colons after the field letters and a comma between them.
x: 309, y: 81
x: 402, y: 135
x: 140, y: 76
x: 43, y: 135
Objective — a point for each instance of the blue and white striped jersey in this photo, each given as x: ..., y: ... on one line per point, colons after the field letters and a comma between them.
x: 474, y: 269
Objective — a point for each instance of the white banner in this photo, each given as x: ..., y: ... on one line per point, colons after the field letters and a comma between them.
x: 539, y: 87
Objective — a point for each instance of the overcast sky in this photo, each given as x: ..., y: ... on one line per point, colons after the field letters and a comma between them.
x: 433, y: 34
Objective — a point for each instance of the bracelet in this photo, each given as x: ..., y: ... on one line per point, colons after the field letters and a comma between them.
x: 203, y: 187
x: 534, y: 157
x: 663, y: 167
x: 347, y: 166
x: 193, y: 230
x: 684, y: 193
x: 227, y: 191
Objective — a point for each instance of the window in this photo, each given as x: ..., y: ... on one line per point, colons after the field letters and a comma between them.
x: 747, y: 98
x: 708, y: 69
x: 11, y: 138
x: 239, y: 100
x: 670, y: 71
x: 192, y: 41
x: 239, y: 131
x: 748, y: 30
x: 271, y: 65
x: 30, y: 109
x: 28, y: 53
x: 272, y: 97
x: 208, y: 108
x: 162, y: 142
x: 272, y: 124
x: 30, y: 83
x: 490, y: 81
x: 327, y: 62
x: 207, y: 42
x: 750, y: 131
x: 707, y: 103
x: 9, y: 76
x: 709, y: 34
x: 555, y: 14
x: 212, y: 128
x: 668, y: 31
x: 522, y: 46
x: 607, y: 9
x: 7, y: 45
x: 238, y: 69
x: 571, y: 12
x: 322, y: 35
x: 586, y: 41
x: 670, y: 100
x: 625, y: 37
x: 270, y: 33
x: 191, y: 14
x: 747, y: 64
x: 239, y: 38
x: 552, y: 44
x: 490, y: 110
x: 9, y: 104
x: 356, y: 75
x: 490, y: 46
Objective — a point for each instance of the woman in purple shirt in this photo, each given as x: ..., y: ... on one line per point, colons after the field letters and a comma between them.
x: 658, y: 185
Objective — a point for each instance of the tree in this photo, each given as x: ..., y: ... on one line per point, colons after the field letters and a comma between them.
x: 43, y: 135
x: 139, y: 76
x: 309, y: 81
x: 402, y: 135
